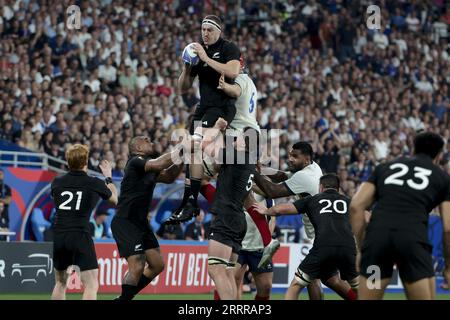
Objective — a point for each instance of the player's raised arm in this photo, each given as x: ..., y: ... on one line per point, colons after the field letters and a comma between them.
x: 230, y: 69
x: 233, y: 90
x: 106, y: 169
x: 361, y: 201
x: 445, y: 214
x: 278, y: 210
x: 164, y: 161
x: 282, y: 209
x: 185, y: 80
x: 275, y: 175
x: 271, y: 189
x: 170, y: 174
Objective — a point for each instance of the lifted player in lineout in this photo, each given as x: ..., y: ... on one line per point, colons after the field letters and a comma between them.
x: 246, y: 93
x: 218, y: 57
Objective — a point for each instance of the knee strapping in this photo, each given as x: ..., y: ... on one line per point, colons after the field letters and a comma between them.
x: 215, y: 261
x: 302, y: 278
x: 231, y: 264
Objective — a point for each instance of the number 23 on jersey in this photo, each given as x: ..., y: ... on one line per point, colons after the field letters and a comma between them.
x: 420, y: 174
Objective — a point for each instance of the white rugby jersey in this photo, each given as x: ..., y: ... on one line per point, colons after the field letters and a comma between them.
x: 246, y: 104
x: 306, y: 181
x: 252, y: 240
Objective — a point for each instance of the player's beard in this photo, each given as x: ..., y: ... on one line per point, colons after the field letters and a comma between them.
x: 293, y: 168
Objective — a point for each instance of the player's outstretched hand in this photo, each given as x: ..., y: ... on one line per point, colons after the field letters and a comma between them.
x: 106, y: 168
x: 221, y: 82
x: 221, y: 124
x: 198, y: 49
x: 261, y: 209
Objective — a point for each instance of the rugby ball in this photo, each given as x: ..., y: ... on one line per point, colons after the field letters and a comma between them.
x: 189, y: 56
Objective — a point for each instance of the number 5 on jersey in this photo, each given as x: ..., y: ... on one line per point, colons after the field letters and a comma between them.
x: 65, y: 204
x: 249, y: 182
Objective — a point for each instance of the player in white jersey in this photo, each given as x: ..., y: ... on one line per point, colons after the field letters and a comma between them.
x: 250, y: 255
x: 246, y: 109
x: 244, y: 90
x: 246, y: 94
x: 303, y: 182
x: 246, y: 104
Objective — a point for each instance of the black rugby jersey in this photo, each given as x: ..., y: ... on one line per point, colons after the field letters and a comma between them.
x: 328, y: 212
x: 75, y: 195
x: 234, y: 182
x: 407, y: 189
x: 222, y: 51
x: 136, y: 190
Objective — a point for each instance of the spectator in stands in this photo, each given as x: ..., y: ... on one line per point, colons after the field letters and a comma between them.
x: 196, y: 230
x: 5, y: 200
x: 310, y: 57
x: 170, y: 232
x: 329, y: 155
x: 97, y: 227
x: 4, y: 220
x: 7, y: 132
x: 361, y: 169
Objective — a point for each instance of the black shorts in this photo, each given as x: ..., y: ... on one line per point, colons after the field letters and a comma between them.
x: 229, y: 228
x: 207, y: 116
x: 408, y: 249
x: 74, y: 248
x: 252, y: 259
x: 325, y: 262
x: 132, y: 238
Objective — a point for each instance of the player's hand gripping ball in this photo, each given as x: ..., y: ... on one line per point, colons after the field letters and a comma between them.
x: 189, y: 55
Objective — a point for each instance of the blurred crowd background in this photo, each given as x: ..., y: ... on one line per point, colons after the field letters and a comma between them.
x: 357, y: 95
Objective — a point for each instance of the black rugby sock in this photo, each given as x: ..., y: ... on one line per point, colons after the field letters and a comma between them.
x: 187, y: 187
x: 128, y: 292
x: 196, y: 185
x: 143, y: 282
x: 187, y: 194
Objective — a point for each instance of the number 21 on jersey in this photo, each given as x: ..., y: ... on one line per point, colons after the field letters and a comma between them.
x: 66, y: 204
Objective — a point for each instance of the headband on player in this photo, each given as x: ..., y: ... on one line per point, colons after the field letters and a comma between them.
x: 211, y: 23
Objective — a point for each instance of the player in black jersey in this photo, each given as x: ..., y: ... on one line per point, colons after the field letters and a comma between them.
x: 130, y: 226
x: 404, y: 192
x: 334, y: 244
x: 218, y: 57
x: 75, y: 195
x: 234, y: 183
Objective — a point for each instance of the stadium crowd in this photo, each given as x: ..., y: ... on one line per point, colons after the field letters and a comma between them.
x: 357, y: 95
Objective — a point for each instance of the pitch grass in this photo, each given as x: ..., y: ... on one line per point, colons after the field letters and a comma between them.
x: 105, y: 296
